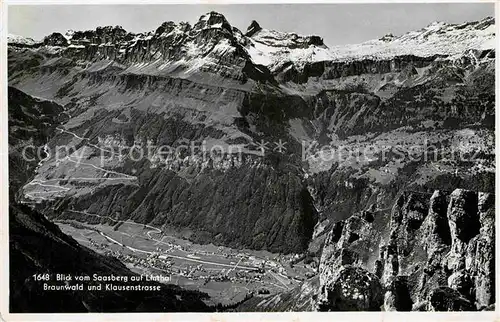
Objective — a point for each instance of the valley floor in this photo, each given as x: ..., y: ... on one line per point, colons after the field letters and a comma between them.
x: 227, y: 275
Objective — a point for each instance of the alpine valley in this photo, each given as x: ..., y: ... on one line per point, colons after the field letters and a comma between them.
x: 356, y: 177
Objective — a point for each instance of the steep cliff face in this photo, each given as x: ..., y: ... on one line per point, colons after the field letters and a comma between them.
x: 309, y: 134
x: 435, y: 253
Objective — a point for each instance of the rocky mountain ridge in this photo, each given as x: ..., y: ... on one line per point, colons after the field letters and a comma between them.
x: 37, y: 246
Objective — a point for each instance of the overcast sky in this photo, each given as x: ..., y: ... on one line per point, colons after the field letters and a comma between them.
x: 336, y: 23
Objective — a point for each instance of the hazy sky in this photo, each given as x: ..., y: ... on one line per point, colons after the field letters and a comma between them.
x: 336, y: 23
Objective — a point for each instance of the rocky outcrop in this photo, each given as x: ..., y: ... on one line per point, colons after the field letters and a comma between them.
x: 229, y: 207
x: 299, y: 299
x: 37, y: 246
x: 397, y: 296
x: 439, y: 254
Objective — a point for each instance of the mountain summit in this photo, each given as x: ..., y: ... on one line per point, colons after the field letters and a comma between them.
x: 212, y: 36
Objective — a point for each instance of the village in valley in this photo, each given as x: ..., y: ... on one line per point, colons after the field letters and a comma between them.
x: 227, y: 275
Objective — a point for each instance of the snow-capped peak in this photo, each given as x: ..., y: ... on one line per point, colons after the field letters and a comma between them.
x: 435, y: 25
x: 272, y: 48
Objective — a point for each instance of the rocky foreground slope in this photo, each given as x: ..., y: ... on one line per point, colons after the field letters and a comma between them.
x: 434, y: 253
x: 309, y: 137
x: 37, y: 246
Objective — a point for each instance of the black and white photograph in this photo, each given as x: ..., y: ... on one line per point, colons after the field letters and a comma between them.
x: 258, y: 157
